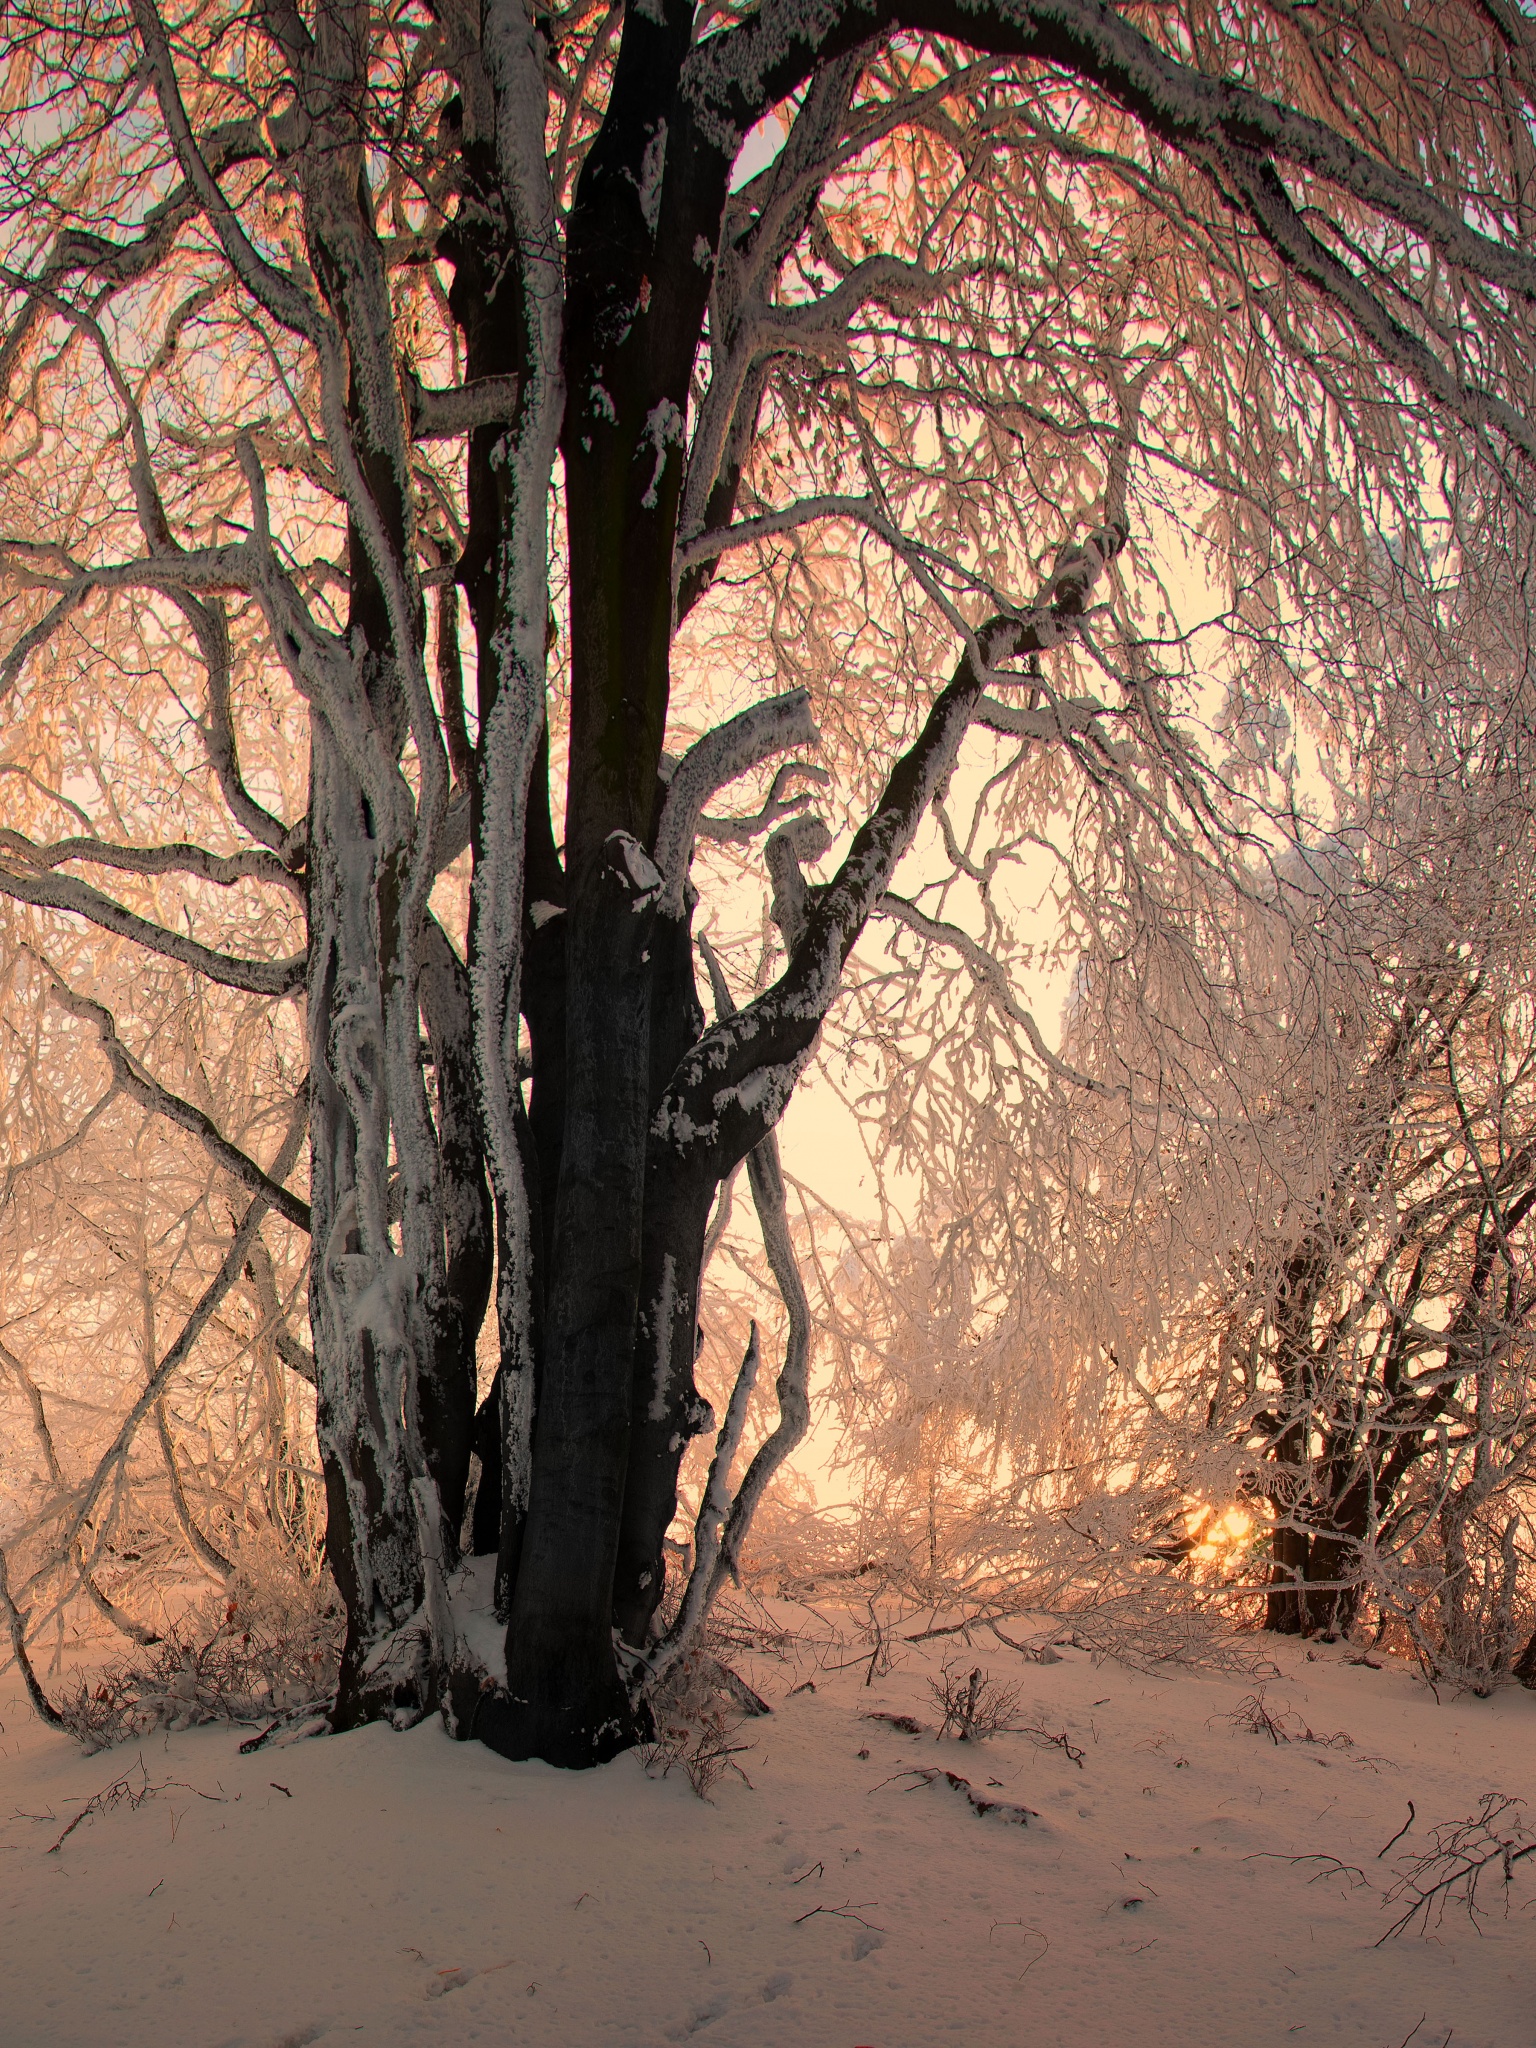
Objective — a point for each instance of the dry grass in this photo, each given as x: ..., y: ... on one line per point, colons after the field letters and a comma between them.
x: 264, y: 1651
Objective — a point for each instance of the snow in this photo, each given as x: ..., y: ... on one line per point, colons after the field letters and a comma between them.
x: 400, y: 1889
x: 663, y: 429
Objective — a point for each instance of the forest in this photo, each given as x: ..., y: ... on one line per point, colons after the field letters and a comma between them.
x: 767, y: 835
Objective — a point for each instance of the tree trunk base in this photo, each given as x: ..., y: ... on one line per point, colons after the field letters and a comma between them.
x: 573, y: 1733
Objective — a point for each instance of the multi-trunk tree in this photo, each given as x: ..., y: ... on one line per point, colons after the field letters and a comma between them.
x: 320, y: 317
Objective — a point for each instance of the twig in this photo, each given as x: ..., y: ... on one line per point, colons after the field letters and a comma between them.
x: 1334, y: 1868
x: 1454, y: 1868
x: 1019, y: 1816
x: 846, y: 1911
x: 1046, y: 1740
x: 1407, y: 1824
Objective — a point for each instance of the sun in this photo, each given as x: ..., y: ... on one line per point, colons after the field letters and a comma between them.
x: 1219, y: 1535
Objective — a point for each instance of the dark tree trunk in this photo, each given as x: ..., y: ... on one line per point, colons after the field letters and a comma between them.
x: 1285, y: 1612
x: 566, y: 1700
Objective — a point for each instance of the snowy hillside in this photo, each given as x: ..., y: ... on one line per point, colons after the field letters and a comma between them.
x: 395, y: 1889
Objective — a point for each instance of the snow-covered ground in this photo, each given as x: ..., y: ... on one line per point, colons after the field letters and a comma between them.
x: 388, y: 1888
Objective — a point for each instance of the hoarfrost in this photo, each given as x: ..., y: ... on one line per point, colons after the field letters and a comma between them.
x: 663, y: 430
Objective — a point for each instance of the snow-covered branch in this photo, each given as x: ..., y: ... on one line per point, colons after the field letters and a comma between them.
x: 445, y: 415
x: 723, y: 1524
x: 79, y: 899
x: 709, y: 1525
x: 1053, y: 720
x: 745, y: 533
x: 807, y: 838
x: 782, y: 801
x: 733, y: 1086
x: 729, y: 751
x: 176, y: 857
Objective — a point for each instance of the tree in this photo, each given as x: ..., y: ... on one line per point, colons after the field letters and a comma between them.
x: 1259, y: 1263
x: 319, y: 317
x: 1311, y: 1245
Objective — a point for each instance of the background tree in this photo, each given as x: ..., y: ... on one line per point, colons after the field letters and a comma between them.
x: 320, y: 317
x: 1271, y: 1251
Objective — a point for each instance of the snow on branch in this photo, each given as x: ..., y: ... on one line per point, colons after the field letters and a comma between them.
x: 781, y: 42
x: 1232, y: 133
x: 1190, y: 108
x: 79, y: 899
x: 1055, y: 720
x: 709, y: 1524
x: 731, y: 1088
x: 706, y: 547
x: 779, y: 803
x: 806, y: 838
x: 721, y: 1531
x: 132, y: 1080
x: 729, y: 751
x: 357, y: 366
x: 1287, y: 233
x: 446, y: 414
x: 792, y: 1388
x: 177, y: 857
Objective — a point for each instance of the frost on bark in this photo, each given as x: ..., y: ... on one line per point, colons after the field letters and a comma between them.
x: 507, y: 327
